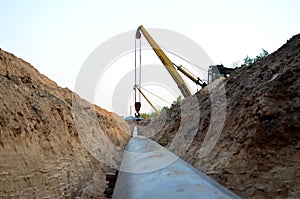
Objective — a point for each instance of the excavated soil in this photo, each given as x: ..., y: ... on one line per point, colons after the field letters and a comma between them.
x: 41, y: 152
x: 257, y: 153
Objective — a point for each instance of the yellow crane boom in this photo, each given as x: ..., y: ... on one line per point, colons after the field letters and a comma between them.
x: 171, y: 67
x: 165, y: 60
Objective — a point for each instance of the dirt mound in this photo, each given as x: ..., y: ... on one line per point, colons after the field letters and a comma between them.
x: 41, y: 153
x: 257, y: 152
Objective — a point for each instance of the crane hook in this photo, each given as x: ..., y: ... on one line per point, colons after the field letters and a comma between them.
x: 137, y: 106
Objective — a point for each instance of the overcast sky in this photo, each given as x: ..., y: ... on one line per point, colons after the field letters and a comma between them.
x: 57, y: 36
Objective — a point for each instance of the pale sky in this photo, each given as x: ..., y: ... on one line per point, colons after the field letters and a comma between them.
x: 57, y: 36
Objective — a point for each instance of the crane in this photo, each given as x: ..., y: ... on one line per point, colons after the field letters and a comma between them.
x: 170, y: 66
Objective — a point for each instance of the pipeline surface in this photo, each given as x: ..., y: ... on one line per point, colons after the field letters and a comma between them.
x: 150, y: 171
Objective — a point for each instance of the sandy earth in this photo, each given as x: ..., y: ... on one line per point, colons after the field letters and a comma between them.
x: 253, y: 134
x: 42, y: 154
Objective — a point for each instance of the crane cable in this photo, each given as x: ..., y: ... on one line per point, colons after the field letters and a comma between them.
x: 202, y: 82
x: 162, y: 99
x: 184, y: 59
x: 138, y: 77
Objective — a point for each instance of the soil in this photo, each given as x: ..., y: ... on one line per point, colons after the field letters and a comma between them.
x: 41, y: 152
x: 248, y: 141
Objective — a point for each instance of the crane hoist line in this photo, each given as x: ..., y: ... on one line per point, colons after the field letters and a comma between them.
x: 137, y: 78
x: 169, y: 65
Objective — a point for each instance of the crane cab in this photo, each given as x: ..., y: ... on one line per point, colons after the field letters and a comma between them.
x: 217, y: 71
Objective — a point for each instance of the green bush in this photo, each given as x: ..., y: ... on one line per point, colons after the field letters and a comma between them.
x: 249, y: 61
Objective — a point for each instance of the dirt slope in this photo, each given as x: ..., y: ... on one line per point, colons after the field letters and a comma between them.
x: 41, y: 153
x: 257, y: 154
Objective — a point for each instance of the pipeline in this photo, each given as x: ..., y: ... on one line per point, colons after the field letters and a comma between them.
x: 150, y: 171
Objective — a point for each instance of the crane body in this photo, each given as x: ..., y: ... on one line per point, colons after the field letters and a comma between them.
x: 166, y: 61
x: 170, y: 66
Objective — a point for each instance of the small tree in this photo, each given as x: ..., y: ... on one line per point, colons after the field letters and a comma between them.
x: 249, y: 61
x: 177, y: 101
x: 145, y: 115
x: 164, y: 109
x: 261, y: 55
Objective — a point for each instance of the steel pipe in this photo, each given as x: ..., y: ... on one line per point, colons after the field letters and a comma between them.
x: 150, y: 171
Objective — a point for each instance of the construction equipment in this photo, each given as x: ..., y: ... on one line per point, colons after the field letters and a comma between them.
x: 169, y: 65
x: 217, y: 71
